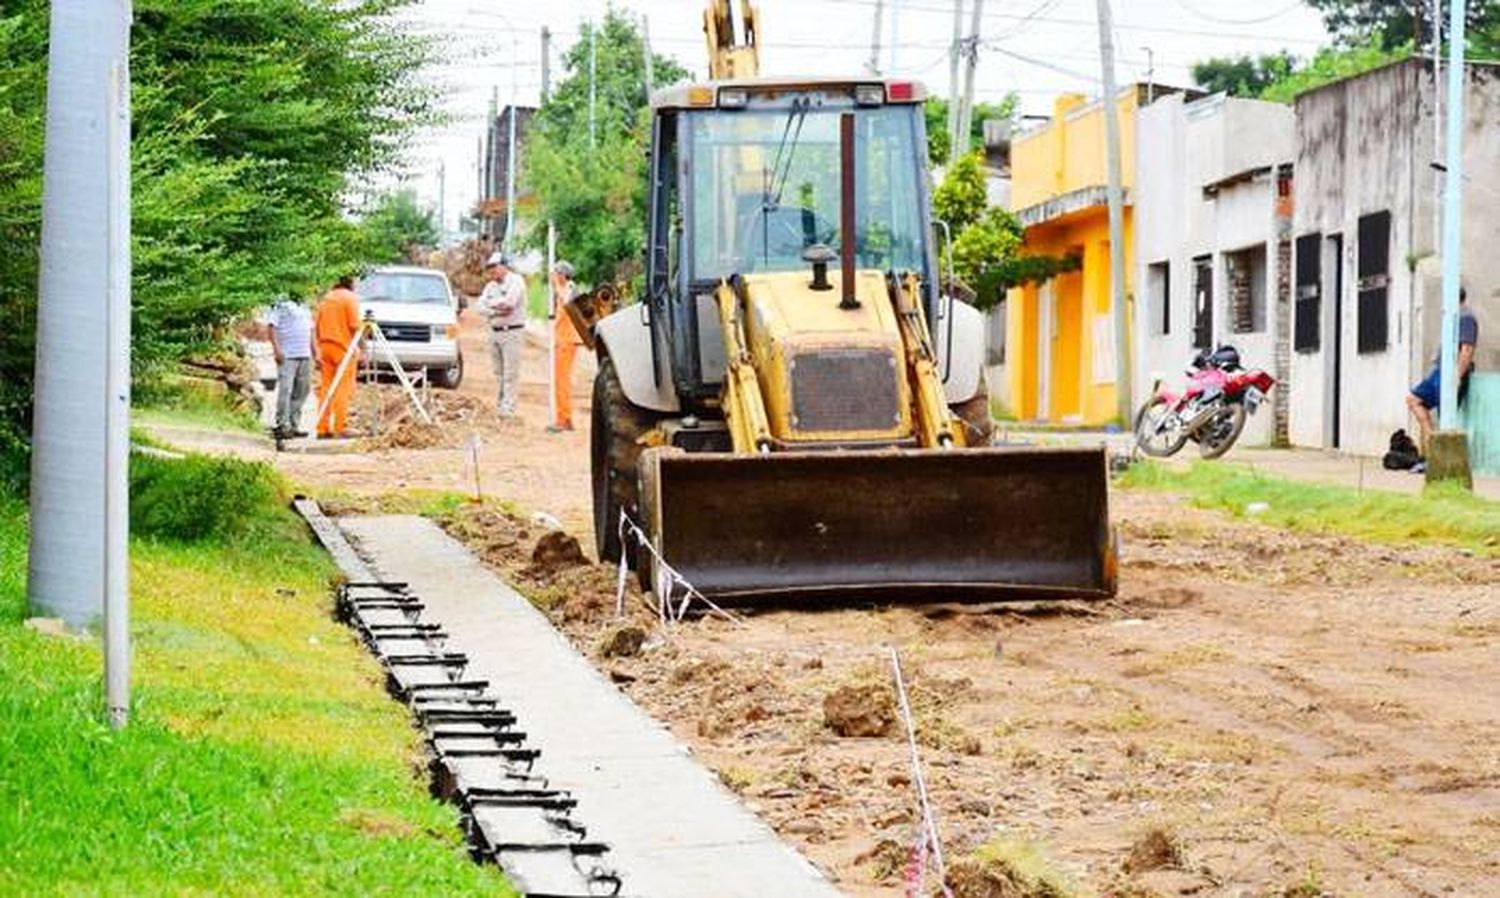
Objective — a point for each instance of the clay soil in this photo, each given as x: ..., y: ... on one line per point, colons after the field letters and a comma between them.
x: 1258, y: 713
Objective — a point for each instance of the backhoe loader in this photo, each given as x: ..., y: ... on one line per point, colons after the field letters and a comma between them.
x: 795, y: 410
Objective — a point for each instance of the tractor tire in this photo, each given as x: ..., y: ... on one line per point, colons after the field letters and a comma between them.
x: 615, y: 429
x: 979, y: 424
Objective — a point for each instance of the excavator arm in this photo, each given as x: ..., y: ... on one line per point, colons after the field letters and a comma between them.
x: 731, y: 55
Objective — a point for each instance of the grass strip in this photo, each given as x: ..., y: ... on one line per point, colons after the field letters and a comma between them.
x: 264, y: 757
x: 1442, y: 515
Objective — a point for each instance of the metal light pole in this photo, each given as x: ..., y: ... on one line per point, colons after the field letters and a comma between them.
x: 593, y: 72
x: 78, y: 563
x: 1116, y: 198
x: 1452, y: 218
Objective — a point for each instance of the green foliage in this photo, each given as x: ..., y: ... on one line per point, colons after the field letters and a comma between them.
x: 1243, y: 75
x: 1447, y: 516
x: 595, y: 192
x: 935, y: 112
x: 202, y: 497
x: 251, y: 119
x: 960, y: 199
x: 1393, y: 24
x: 1329, y: 65
x: 988, y: 241
x: 397, y: 227
x: 262, y: 759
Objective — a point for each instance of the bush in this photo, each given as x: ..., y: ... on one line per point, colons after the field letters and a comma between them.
x: 200, y: 498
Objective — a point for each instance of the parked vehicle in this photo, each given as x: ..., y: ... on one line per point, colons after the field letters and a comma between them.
x: 1212, y: 410
x: 418, y: 313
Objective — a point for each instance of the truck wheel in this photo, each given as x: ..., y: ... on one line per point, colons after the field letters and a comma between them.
x: 448, y: 378
x: 979, y: 426
x: 615, y: 428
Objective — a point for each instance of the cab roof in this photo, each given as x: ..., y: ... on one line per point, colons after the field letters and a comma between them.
x: 680, y: 96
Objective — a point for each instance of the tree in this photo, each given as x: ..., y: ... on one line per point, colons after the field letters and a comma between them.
x: 989, y: 241
x: 251, y: 122
x: 1392, y: 24
x: 935, y: 112
x: 1244, y: 75
x: 1328, y: 65
x: 593, y: 190
x: 397, y: 226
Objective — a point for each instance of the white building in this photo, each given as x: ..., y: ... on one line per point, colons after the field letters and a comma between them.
x: 1367, y: 265
x: 1213, y: 242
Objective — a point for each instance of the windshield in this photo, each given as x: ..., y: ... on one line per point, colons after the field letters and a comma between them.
x: 384, y: 286
x: 765, y: 186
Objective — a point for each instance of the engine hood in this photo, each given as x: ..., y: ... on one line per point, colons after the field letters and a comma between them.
x: 410, y: 312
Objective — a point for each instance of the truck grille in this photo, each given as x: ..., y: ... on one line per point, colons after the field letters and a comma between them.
x: 845, y: 390
x: 407, y: 333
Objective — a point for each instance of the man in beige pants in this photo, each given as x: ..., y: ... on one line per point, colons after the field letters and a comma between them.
x: 503, y: 302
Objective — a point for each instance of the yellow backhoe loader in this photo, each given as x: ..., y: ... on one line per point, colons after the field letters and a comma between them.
x: 795, y: 409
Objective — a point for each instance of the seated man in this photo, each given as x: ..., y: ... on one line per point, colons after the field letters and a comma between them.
x: 1424, y: 397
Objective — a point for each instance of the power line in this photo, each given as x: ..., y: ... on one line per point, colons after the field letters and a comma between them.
x: 1256, y: 20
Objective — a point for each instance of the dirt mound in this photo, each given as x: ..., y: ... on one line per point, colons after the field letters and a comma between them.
x: 864, y: 710
x: 385, y: 413
x: 407, y: 435
x: 622, y: 642
x: 555, y: 551
x: 1003, y: 872
x: 1154, y: 850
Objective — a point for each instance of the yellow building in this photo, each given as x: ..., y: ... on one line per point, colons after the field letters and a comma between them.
x: 1059, y: 335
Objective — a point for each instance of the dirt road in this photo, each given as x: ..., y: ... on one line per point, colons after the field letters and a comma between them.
x: 1298, y: 715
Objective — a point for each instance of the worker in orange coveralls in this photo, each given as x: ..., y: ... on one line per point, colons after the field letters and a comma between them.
x: 335, y: 326
x: 565, y: 342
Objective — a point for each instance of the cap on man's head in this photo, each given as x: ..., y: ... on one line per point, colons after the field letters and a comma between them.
x: 563, y: 268
x: 497, y: 258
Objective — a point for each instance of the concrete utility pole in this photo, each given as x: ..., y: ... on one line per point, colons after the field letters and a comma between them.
x: 895, y: 35
x: 1453, y: 218
x: 546, y: 63
x: 966, y: 114
x: 78, y: 564
x: 954, y: 50
x: 646, y: 50
x: 1116, y: 199
x: 874, y: 64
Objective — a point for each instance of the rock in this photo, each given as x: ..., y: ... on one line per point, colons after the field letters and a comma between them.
x: 622, y: 642
x: 813, y: 663
x: 557, y: 550
x: 867, y: 710
x: 546, y: 521
x: 803, y: 827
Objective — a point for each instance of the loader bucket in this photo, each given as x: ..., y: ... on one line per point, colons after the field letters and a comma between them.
x: 918, y: 525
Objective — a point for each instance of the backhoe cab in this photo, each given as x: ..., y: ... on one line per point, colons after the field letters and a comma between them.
x: 794, y: 409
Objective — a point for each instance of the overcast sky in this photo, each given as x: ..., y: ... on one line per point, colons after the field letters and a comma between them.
x: 1037, y: 48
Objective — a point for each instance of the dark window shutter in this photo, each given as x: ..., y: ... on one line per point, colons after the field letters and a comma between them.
x: 1308, y: 333
x: 1374, y: 281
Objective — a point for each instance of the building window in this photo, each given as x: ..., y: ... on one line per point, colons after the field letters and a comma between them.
x: 1203, y: 302
x: 1308, y: 334
x: 1159, y: 289
x: 1245, y: 271
x: 1374, y: 281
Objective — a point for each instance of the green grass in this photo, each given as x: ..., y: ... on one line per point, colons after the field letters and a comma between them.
x: 1443, y: 515
x: 263, y: 758
x: 536, y: 297
x: 184, y: 404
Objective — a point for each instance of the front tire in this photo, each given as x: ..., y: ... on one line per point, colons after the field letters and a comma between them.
x: 448, y: 378
x: 1149, y: 436
x: 979, y: 424
x: 616, y: 426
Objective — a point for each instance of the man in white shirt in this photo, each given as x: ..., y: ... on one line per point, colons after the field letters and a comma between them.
x: 291, y: 342
x: 503, y: 302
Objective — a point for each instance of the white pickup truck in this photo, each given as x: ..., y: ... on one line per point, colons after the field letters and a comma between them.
x: 418, y: 313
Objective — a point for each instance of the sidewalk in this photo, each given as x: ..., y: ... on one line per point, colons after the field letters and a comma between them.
x: 1309, y: 465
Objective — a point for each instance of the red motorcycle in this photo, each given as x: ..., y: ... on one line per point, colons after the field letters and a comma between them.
x: 1211, y: 411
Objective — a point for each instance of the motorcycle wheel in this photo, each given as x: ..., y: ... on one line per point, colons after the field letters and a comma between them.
x: 1150, y: 437
x: 1218, y: 433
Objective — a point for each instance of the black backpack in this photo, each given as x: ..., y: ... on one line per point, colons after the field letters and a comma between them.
x: 1403, y: 453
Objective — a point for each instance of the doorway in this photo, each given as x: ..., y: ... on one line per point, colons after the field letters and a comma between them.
x: 1203, y: 302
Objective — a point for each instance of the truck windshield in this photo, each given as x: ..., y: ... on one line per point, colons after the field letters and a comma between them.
x: 765, y: 186
x: 393, y: 286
